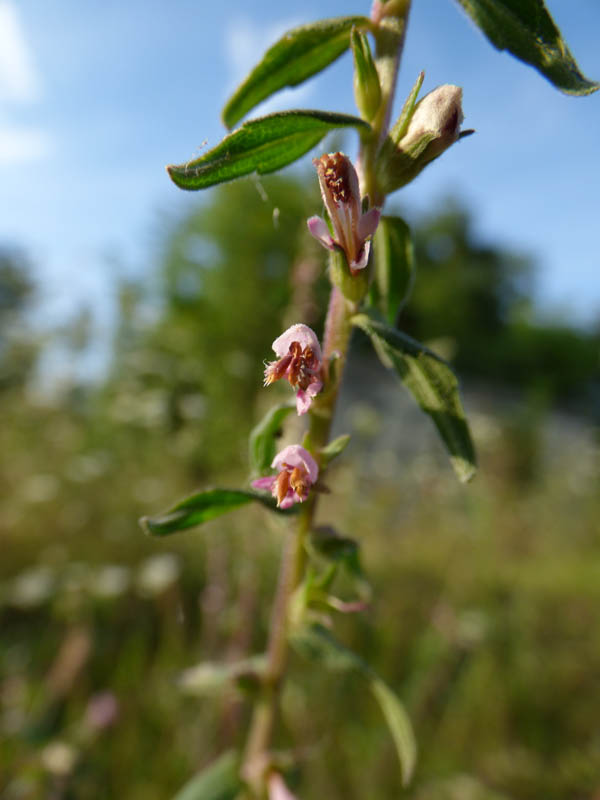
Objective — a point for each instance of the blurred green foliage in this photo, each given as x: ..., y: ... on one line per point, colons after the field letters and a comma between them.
x: 484, y: 597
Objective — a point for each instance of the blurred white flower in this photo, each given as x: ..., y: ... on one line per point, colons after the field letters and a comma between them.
x: 157, y: 573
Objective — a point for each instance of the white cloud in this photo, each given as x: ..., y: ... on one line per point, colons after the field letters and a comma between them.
x: 19, y: 145
x: 18, y: 78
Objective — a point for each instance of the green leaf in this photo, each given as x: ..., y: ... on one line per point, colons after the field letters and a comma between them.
x: 526, y: 29
x: 220, y: 781
x: 316, y: 643
x: 333, y: 449
x: 433, y: 385
x: 300, y: 53
x: 262, y: 444
x: 201, y: 507
x: 394, y: 267
x: 261, y: 145
x: 326, y: 544
x: 399, y: 724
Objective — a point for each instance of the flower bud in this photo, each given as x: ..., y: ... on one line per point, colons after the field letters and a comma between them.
x: 433, y: 126
x: 367, y: 91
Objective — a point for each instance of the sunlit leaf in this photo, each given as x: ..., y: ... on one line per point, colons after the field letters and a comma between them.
x: 433, y: 385
x: 220, y: 781
x: 263, y: 438
x: 334, y: 449
x: 399, y: 725
x: 526, y: 29
x: 201, y: 507
x: 261, y: 145
x: 300, y: 53
x: 394, y: 267
x: 317, y: 644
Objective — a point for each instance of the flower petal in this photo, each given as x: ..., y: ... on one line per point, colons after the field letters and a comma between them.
x: 367, y: 224
x: 296, y: 456
x: 304, y: 397
x: 289, y: 500
x: 297, y: 333
x: 363, y: 257
x: 317, y: 227
x: 264, y: 483
x: 277, y: 788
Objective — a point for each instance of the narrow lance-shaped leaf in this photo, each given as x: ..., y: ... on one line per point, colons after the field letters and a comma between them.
x: 262, y: 444
x: 220, y: 781
x: 261, y: 145
x: 202, y: 507
x: 526, y: 29
x: 300, y: 53
x: 316, y: 643
x: 334, y: 449
x: 433, y: 385
x: 394, y: 267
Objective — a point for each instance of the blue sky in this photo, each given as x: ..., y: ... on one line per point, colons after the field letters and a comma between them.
x: 95, y: 98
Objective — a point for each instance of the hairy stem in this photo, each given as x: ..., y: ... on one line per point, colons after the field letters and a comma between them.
x: 391, y: 20
x: 256, y: 760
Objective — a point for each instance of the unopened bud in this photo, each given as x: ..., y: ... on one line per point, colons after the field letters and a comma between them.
x: 367, y: 91
x: 433, y: 126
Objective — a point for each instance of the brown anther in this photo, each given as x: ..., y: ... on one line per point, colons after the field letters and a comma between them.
x: 277, y: 369
x: 334, y: 169
x: 282, y: 484
x: 299, y: 483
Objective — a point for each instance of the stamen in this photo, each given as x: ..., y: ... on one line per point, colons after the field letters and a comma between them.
x: 282, y: 484
x: 298, y: 482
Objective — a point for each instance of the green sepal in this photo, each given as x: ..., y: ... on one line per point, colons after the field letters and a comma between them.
x: 219, y: 781
x: 393, y: 267
x: 261, y: 145
x: 334, y: 449
x: 317, y: 644
x: 353, y: 287
x: 367, y: 90
x: 202, y: 507
x: 432, y: 383
x: 403, y: 121
x: 299, y: 54
x: 262, y: 443
x: 526, y: 29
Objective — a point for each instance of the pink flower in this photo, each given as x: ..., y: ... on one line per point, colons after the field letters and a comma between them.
x: 300, y: 361
x: 352, y: 229
x: 297, y: 471
x: 277, y: 788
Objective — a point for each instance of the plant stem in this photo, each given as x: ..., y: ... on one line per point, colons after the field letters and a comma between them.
x: 389, y: 36
x: 256, y: 759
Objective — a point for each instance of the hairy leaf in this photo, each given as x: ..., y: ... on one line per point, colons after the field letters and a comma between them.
x: 300, y: 53
x: 261, y: 145
x: 220, y: 781
x: 433, y: 385
x: 201, y: 507
x: 317, y: 644
x: 262, y: 444
x: 526, y: 29
x: 394, y: 267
